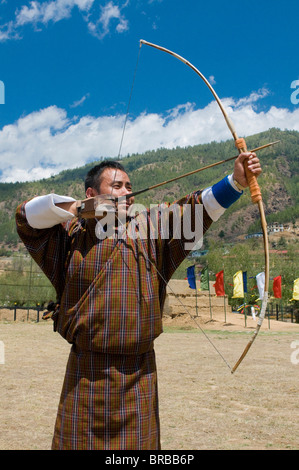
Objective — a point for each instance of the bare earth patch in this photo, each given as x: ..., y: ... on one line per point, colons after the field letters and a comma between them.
x: 202, y: 405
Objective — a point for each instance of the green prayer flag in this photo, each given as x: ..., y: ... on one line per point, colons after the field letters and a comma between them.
x: 204, y: 279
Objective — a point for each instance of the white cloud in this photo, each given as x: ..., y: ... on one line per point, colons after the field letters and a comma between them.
x: 79, y: 102
x: 54, y: 10
x: 41, y: 13
x: 110, y: 14
x: 212, y: 80
x: 48, y: 141
x: 8, y: 31
x: 252, y: 98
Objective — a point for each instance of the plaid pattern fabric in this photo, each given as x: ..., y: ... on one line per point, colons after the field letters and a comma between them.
x: 108, y: 401
x: 111, y: 300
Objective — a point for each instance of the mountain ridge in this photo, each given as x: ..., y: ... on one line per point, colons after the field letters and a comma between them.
x: 279, y: 183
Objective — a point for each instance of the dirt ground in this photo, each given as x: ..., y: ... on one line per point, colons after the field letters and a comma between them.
x: 202, y: 405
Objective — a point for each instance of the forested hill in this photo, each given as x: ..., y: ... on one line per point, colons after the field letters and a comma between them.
x: 279, y: 183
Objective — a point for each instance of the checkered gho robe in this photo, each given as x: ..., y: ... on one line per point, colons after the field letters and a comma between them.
x: 111, y: 299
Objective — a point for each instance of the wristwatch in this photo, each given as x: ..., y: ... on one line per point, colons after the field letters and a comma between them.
x: 239, y: 186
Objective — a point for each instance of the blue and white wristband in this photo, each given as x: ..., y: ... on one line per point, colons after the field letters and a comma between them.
x: 220, y: 196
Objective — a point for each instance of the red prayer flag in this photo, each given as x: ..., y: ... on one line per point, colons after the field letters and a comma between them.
x: 219, y: 284
x: 277, y: 287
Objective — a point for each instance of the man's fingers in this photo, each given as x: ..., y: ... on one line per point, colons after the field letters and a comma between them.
x: 253, y: 162
x: 244, y: 155
x: 254, y: 165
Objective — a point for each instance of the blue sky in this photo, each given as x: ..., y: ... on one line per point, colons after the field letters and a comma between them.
x: 68, y: 66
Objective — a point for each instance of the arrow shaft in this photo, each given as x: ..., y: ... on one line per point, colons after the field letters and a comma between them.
x: 136, y: 193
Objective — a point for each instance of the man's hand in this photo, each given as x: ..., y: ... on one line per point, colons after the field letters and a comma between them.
x: 91, y: 207
x: 69, y: 207
x: 253, y: 165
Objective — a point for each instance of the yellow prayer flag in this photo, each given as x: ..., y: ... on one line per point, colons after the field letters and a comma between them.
x: 238, y: 285
x: 296, y: 290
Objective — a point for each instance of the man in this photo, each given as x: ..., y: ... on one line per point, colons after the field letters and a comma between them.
x: 110, y: 293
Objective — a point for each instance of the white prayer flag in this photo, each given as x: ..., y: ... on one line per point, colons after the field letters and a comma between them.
x: 260, y: 279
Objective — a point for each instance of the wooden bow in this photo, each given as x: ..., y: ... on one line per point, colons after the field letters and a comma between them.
x: 255, y: 192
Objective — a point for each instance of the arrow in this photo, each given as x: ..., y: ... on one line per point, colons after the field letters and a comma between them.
x: 136, y: 193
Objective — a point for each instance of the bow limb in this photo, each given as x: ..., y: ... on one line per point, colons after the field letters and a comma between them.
x: 186, y: 62
x: 265, y: 297
x: 256, y: 197
x: 240, y: 143
x: 255, y: 192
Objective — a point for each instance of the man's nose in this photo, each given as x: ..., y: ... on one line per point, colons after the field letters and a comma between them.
x: 124, y: 191
x: 123, y: 199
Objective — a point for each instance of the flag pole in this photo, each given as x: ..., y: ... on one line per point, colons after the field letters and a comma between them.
x: 224, y: 297
x: 195, y: 291
x: 245, y: 297
x: 211, y: 315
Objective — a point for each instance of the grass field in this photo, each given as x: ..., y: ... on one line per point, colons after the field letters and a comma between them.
x: 202, y: 405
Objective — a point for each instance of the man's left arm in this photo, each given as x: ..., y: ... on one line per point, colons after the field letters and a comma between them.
x: 215, y: 200
x: 223, y: 194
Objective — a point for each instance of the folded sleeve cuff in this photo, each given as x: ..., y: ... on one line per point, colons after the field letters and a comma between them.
x: 41, y: 211
x: 220, y: 196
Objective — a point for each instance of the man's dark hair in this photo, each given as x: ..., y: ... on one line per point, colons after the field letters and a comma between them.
x: 93, y: 177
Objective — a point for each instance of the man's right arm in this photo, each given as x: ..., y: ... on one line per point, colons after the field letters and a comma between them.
x: 40, y: 226
x: 53, y: 209
x: 49, y: 210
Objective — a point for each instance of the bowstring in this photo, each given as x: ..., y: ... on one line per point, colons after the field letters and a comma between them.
x: 127, y: 115
x: 187, y: 311
x: 173, y: 292
x: 147, y: 257
x: 129, y: 104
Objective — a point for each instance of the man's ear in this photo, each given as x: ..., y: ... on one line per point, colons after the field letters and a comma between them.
x: 91, y: 192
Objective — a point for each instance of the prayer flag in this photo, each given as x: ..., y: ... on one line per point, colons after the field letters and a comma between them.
x: 238, y: 285
x: 260, y: 280
x: 191, y: 277
x: 204, y: 279
x: 245, y: 281
x: 296, y: 290
x: 219, y: 284
x: 277, y: 287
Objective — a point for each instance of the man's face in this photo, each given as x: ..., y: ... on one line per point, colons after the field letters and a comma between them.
x: 115, y: 183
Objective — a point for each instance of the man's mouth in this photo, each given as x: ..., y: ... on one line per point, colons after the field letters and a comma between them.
x: 123, y: 202
x: 127, y: 204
